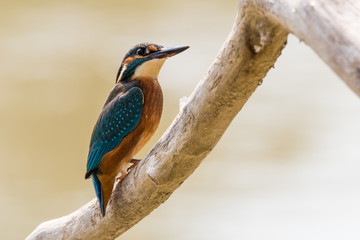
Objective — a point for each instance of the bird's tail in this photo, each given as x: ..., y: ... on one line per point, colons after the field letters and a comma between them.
x: 99, y: 193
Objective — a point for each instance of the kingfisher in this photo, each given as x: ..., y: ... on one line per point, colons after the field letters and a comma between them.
x: 128, y: 119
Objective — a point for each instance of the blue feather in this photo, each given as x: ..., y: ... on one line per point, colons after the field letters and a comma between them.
x: 99, y: 193
x: 118, y: 118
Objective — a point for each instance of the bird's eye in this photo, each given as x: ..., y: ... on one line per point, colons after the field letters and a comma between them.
x: 140, y: 51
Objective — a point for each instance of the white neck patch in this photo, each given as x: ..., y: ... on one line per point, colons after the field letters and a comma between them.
x: 149, y: 69
x: 122, y: 72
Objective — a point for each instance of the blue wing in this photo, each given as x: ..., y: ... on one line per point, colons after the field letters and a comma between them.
x: 118, y: 118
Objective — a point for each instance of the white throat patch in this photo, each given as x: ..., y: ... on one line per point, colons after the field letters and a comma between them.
x: 149, y: 69
x: 122, y: 72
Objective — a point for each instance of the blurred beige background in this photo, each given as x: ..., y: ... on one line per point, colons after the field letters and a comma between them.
x: 287, y: 168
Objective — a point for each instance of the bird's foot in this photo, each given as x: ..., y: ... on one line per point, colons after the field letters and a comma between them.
x: 123, y: 174
x: 134, y: 163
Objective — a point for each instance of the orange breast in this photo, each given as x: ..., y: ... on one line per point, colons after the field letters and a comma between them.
x: 117, y: 160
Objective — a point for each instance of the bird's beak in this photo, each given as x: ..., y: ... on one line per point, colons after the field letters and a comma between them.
x: 168, y: 52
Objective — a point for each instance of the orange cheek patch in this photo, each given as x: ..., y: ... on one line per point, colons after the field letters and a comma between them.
x: 130, y: 59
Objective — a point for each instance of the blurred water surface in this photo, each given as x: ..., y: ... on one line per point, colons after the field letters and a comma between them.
x: 287, y: 168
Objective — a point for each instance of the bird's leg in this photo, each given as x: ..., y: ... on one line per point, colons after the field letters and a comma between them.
x: 134, y: 163
x: 123, y: 174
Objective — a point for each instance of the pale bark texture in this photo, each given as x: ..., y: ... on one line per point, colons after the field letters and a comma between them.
x: 255, y: 42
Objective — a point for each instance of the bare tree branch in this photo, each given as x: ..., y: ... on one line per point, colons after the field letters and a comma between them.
x: 255, y: 42
x: 329, y: 27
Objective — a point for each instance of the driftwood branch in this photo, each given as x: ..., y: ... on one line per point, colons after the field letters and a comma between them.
x: 329, y: 27
x: 255, y: 42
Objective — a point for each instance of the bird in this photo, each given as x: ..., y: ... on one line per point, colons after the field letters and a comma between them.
x: 128, y: 119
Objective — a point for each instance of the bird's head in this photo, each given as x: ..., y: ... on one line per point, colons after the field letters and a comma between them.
x: 145, y: 60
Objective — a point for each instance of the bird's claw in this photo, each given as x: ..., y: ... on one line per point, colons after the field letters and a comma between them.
x: 123, y: 173
x: 134, y: 163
